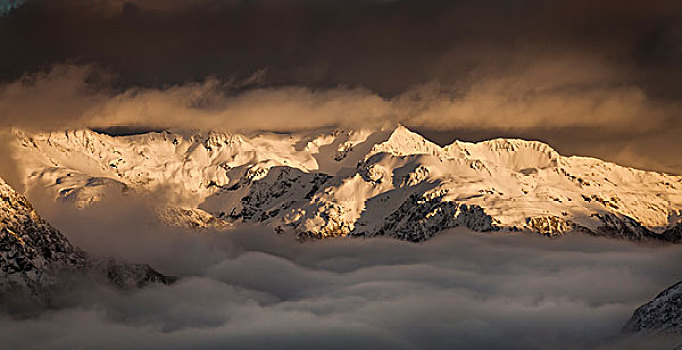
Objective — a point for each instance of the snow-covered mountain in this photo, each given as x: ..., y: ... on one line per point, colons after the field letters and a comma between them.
x: 326, y: 183
x: 661, y: 315
x: 36, y: 259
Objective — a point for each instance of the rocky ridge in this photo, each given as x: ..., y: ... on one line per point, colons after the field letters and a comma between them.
x: 661, y: 315
x: 36, y: 260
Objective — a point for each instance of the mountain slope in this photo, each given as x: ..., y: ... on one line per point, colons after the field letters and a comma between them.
x: 661, y: 315
x: 32, y: 251
x: 36, y: 259
x: 358, y: 182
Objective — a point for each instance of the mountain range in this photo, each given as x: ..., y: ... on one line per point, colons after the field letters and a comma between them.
x: 390, y: 182
x: 336, y: 182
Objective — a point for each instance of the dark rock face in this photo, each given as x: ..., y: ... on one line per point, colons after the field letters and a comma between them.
x: 130, y: 276
x: 31, y: 251
x: 37, y: 261
x: 661, y: 315
x: 420, y: 218
x: 673, y: 234
x: 626, y: 228
x: 278, y: 190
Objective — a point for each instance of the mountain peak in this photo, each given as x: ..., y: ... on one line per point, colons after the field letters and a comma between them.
x: 339, y: 179
x: 402, y: 131
x: 515, y: 145
x: 514, y: 154
x: 404, y: 141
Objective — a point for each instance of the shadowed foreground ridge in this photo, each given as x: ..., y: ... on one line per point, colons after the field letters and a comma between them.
x: 37, y: 262
x: 661, y: 315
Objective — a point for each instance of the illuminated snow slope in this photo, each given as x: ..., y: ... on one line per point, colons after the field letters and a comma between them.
x: 357, y: 182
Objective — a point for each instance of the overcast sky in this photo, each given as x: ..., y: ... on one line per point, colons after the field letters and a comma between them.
x: 599, y: 78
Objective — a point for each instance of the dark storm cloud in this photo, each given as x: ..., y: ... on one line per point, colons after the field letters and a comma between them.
x: 605, y: 72
x: 251, y: 288
x: 385, y: 46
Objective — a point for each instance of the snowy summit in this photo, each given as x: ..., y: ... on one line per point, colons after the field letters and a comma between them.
x: 390, y: 182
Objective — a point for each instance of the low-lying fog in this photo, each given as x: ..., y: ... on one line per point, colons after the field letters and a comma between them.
x: 252, y: 288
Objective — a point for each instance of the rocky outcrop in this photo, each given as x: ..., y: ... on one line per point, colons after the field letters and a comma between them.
x: 32, y: 252
x: 421, y: 217
x: 672, y: 234
x: 128, y: 276
x: 549, y: 225
x: 626, y: 228
x: 193, y: 219
x: 661, y: 315
x: 37, y: 261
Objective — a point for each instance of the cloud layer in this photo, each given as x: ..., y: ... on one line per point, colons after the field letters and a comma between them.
x: 599, y: 78
x: 66, y: 97
x: 552, y: 92
x: 254, y: 289
x: 561, y: 101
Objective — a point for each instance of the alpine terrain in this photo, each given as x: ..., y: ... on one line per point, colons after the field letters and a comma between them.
x: 390, y: 182
x: 661, y: 315
x: 36, y: 260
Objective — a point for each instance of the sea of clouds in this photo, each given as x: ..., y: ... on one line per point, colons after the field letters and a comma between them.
x: 253, y: 288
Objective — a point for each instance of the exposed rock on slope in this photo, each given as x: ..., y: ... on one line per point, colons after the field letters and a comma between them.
x: 32, y: 252
x: 359, y: 182
x: 193, y: 219
x: 661, y: 315
x: 36, y: 259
